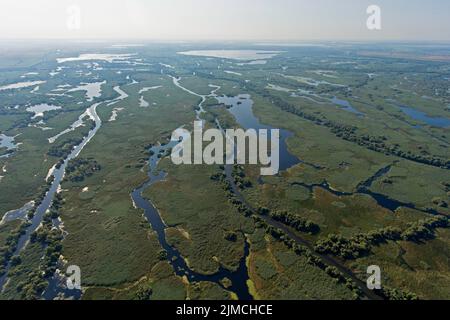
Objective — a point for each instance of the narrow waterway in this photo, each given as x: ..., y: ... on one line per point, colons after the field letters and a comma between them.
x: 238, y: 278
x: 199, y: 110
x: 364, y: 188
x: 326, y: 258
x: 58, y: 175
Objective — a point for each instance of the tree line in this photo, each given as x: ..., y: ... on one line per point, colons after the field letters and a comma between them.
x: 239, y: 177
x: 50, y: 238
x: 63, y: 149
x: 292, y: 220
x: 361, y: 244
x: 10, y: 246
x: 78, y: 169
x: 311, y: 257
x: 301, y: 250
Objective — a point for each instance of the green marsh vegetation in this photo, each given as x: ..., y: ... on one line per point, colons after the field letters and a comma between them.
x: 118, y: 252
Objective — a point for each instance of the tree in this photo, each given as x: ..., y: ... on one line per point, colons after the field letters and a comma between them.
x: 162, y: 255
x: 144, y: 292
x: 16, y: 260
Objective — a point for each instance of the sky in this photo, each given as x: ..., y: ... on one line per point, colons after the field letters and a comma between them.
x: 257, y: 20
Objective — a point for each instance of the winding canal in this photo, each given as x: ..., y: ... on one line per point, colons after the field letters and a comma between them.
x: 238, y: 278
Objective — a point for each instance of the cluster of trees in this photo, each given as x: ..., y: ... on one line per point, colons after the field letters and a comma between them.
x: 424, y: 229
x: 218, y: 177
x: 162, y: 152
x: 33, y: 288
x: 63, y: 149
x: 361, y: 244
x: 301, y: 224
x: 340, y: 246
x: 239, y: 205
x: 226, y: 186
x: 39, y: 198
x: 396, y: 294
x: 239, y: 177
x: 290, y: 219
x: 311, y: 258
x: 78, y: 169
x: 307, y: 226
x: 295, y: 221
x: 147, y: 150
x: 440, y: 203
x: 349, y: 133
x: 144, y: 292
x: 446, y: 186
x: 162, y: 255
x: 50, y: 238
x: 386, y: 292
x: 147, y: 153
x: 7, y: 250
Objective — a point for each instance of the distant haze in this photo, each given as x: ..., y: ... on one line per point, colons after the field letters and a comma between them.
x: 260, y: 20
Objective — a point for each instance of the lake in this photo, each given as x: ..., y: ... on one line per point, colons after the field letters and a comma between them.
x: 40, y: 109
x: 439, y: 122
x: 242, y: 110
x: 233, y: 54
x: 20, y: 85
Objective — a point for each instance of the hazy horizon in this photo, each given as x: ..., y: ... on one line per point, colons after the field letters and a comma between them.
x: 220, y: 20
